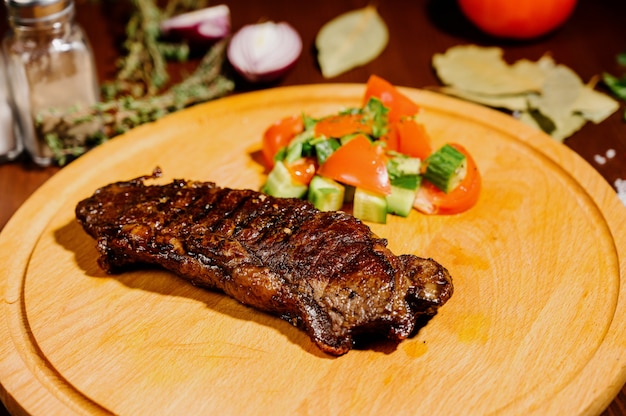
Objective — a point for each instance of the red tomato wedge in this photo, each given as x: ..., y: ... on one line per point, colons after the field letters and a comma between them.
x: 343, y: 124
x: 359, y: 163
x: 399, y: 105
x: 302, y: 170
x: 278, y: 135
x: 413, y: 140
x: 408, y: 137
x: 432, y: 200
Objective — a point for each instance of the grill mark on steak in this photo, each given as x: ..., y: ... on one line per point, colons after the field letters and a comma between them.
x: 325, y: 272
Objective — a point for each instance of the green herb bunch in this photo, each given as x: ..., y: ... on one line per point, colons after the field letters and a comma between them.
x: 138, y: 94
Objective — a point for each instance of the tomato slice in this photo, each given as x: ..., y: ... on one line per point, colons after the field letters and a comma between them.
x: 278, y: 135
x: 432, y: 200
x: 413, y: 140
x: 303, y: 169
x: 343, y: 124
x: 399, y: 105
x: 359, y: 163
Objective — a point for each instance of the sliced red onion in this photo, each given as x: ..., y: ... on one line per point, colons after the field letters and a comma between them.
x: 263, y: 52
x: 199, y: 26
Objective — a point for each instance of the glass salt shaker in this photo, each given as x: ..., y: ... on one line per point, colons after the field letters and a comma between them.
x: 50, y: 67
x: 10, y: 133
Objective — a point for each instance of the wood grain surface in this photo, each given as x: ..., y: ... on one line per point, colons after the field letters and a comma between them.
x: 536, y: 324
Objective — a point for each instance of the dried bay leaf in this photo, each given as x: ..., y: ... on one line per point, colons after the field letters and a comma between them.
x: 482, y: 70
x: 594, y: 105
x: 567, y: 126
x: 543, y: 94
x: 515, y: 102
x: 559, y: 92
x: 537, y: 120
x: 351, y: 40
x: 569, y: 103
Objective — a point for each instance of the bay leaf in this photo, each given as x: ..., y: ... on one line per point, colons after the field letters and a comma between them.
x: 350, y: 40
x: 567, y: 127
x: 483, y: 70
x: 513, y: 102
x: 560, y: 90
x: 536, y: 71
x: 546, y: 95
x: 594, y: 105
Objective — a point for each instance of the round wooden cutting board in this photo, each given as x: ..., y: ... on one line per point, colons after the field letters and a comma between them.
x: 537, y: 323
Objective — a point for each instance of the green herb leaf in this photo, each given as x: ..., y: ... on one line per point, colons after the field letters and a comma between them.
x: 376, y: 111
x: 616, y: 85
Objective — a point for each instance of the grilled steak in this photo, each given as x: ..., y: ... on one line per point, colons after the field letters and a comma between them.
x: 325, y: 272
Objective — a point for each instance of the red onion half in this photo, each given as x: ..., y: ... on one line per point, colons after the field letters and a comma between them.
x: 199, y: 26
x: 263, y: 52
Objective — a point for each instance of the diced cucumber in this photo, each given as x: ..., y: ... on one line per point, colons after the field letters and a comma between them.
x: 280, y: 184
x: 446, y: 168
x: 326, y: 194
x: 400, y: 200
x: 401, y: 165
x: 369, y: 206
x: 407, y: 181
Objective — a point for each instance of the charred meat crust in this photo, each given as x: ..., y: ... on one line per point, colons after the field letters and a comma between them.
x: 323, y: 271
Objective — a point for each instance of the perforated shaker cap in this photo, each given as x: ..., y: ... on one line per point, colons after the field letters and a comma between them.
x: 34, y: 11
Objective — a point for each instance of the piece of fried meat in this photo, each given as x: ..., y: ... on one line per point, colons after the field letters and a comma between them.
x: 325, y: 272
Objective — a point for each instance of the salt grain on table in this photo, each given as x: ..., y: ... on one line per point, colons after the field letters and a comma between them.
x: 601, y: 160
x: 620, y: 185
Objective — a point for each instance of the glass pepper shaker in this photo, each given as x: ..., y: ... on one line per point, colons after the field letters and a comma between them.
x: 10, y: 133
x: 50, y: 67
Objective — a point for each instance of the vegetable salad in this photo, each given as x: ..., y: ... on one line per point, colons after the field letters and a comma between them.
x: 377, y: 158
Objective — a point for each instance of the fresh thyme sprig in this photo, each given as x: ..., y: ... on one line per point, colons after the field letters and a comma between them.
x: 143, y: 70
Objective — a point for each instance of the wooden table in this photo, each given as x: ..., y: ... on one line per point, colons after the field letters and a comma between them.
x: 588, y: 43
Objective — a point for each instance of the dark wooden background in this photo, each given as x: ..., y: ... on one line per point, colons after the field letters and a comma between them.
x: 588, y: 43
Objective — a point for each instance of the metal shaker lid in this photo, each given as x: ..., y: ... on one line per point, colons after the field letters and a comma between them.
x: 33, y: 11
